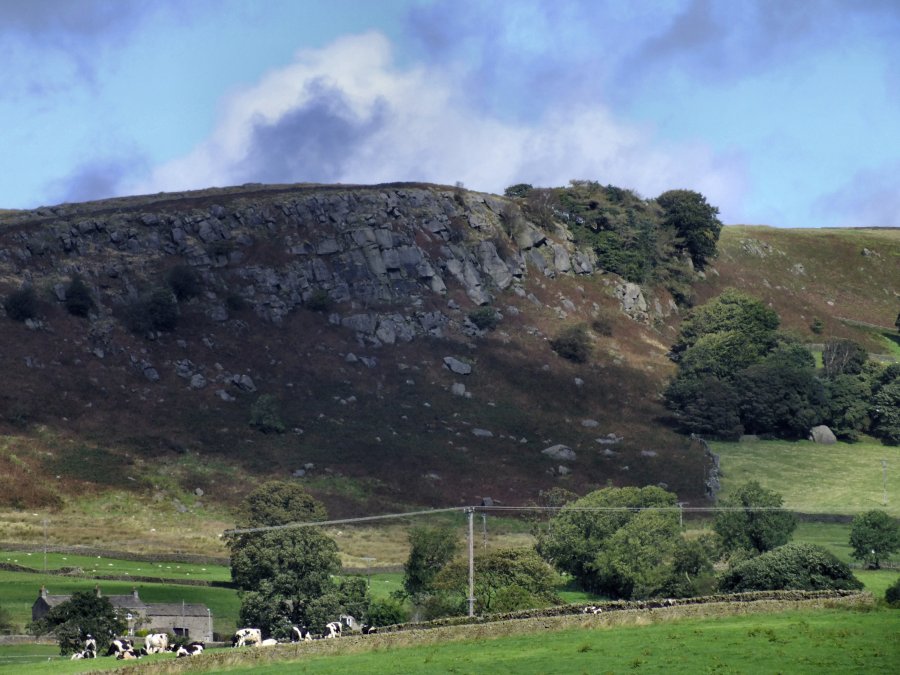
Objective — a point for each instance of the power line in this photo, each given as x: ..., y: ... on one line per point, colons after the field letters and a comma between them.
x: 467, y: 509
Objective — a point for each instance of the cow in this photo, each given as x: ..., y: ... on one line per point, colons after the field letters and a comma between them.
x: 119, y: 645
x: 90, y: 643
x: 268, y: 642
x: 86, y: 654
x: 156, y: 643
x: 592, y: 609
x: 300, y: 634
x: 246, y: 636
x: 368, y: 629
x: 127, y: 654
x: 192, y: 649
x: 333, y: 630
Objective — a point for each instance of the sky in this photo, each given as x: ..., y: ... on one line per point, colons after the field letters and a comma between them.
x: 781, y: 112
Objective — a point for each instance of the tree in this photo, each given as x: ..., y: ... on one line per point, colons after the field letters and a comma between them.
x: 636, y: 560
x: 843, y: 357
x: 874, y: 536
x: 431, y: 548
x: 696, y: 222
x: 801, y: 566
x: 583, y: 528
x: 847, y: 401
x: 753, y: 520
x: 78, y: 298
x: 707, y: 406
x: 283, y: 573
x: 779, y: 399
x: 732, y: 310
x: 280, y: 503
x: 506, y: 580
x: 885, y: 412
x: 82, y: 614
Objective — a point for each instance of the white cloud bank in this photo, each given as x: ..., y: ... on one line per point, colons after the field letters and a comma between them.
x: 345, y: 113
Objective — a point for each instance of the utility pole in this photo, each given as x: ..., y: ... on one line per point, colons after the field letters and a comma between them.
x: 884, y: 482
x: 471, y: 513
x: 45, y: 544
x: 484, y: 531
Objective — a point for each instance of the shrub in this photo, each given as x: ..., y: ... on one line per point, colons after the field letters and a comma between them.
x: 386, y: 612
x: 802, y: 567
x: 184, y: 282
x: 156, y: 311
x: 484, y: 318
x: 603, y: 323
x: 817, y: 326
x: 753, y: 520
x: 319, y: 301
x: 22, y: 304
x: 573, y: 343
x: 264, y: 415
x: 518, y: 190
x: 892, y: 594
x: 235, y: 301
x: 78, y: 297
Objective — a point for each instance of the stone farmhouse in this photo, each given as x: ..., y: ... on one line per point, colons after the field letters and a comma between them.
x: 190, y: 620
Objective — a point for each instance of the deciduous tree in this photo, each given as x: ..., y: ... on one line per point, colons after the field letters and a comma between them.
x: 874, y: 536
x: 753, y: 520
x: 85, y: 612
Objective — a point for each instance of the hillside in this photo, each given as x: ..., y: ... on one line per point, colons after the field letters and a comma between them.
x: 342, y: 304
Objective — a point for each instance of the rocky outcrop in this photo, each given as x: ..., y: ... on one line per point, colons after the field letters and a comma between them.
x: 277, y: 249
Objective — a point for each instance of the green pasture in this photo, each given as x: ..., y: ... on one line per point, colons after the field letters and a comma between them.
x: 844, y: 478
x: 19, y: 590
x: 92, y: 565
x: 836, y: 640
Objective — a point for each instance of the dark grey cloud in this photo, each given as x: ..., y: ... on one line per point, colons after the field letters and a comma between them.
x: 98, y: 179
x: 313, y: 142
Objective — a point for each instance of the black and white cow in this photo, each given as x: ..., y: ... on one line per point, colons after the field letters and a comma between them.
x: 246, y: 636
x: 368, y: 629
x: 156, y: 643
x: 90, y: 643
x: 86, y: 654
x: 128, y: 654
x: 592, y: 609
x: 332, y: 630
x: 192, y: 649
x: 119, y: 645
x: 300, y: 634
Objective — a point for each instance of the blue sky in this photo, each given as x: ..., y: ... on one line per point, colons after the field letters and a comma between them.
x: 782, y: 112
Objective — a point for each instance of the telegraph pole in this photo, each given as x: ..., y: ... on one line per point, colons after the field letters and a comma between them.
x: 884, y: 482
x: 471, y: 513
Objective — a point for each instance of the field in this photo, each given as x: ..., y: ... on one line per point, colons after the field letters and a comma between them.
x: 722, y: 639
x: 842, y: 478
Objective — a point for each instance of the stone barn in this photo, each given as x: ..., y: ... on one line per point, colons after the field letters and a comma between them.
x: 180, y: 619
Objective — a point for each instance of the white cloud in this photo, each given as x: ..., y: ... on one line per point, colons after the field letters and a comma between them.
x: 345, y: 113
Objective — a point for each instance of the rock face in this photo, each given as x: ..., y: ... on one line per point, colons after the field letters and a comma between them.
x: 279, y: 248
x: 822, y: 434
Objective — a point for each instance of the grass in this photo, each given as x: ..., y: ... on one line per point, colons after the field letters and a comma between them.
x: 19, y: 590
x: 732, y: 639
x: 111, y: 566
x: 842, y: 478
